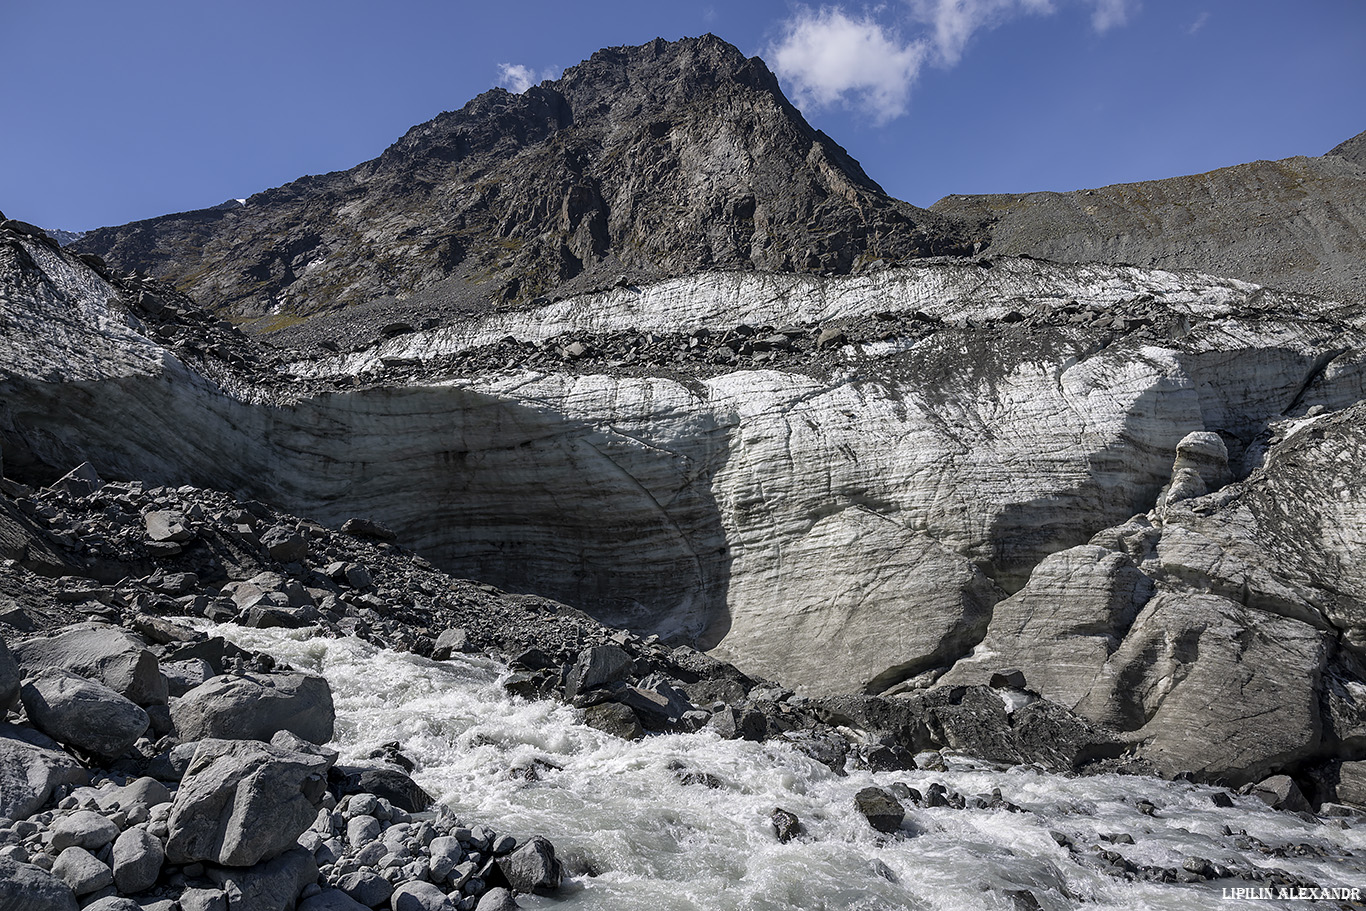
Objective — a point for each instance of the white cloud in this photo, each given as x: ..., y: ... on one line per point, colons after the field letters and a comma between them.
x: 831, y: 58
x: 1199, y: 23
x: 1110, y: 14
x: 517, y: 78
x: 954, y: 21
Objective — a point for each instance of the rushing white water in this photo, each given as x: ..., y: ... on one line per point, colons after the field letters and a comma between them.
x: 664, y: 845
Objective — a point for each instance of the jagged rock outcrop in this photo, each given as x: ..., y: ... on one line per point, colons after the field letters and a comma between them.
x: 1298, y: 224
x: 647, y: 161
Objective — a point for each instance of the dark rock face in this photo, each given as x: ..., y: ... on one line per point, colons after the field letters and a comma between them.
x: 646, y: 161
x: 1296, y: 223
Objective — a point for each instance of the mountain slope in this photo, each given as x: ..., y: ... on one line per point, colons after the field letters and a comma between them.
x: 1297, y: 224
x: 647, y: 161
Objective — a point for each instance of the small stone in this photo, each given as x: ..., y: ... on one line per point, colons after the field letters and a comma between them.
x: 785, y: 825
x: 831, y: 337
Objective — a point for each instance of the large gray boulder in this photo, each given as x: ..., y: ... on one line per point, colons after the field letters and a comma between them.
x: 256, y: 707
x: 102, y: 652
x: 24, y: 887
x: 242, y: 802
x: 532, y: 867
x: 31, y: 766
x: 82, y: 871
x: 81, y: 713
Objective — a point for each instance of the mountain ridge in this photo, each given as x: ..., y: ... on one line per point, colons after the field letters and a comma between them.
x: 639, y: 163
x: 1296, y: 223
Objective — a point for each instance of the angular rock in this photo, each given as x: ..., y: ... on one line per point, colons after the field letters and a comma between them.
x: 81, y: 713
x: 138, y: 856
x: 450, y: 642
x: 1280, y: 792
x: 596, y: 666
x: 168, y: 527
x: 31, y: 767
x: 111, y: 655
x: 183, y: 676
x: 272, y: 885
x: 285, y: 544
x: 883, y: 811
x: 242, y: 802
x: 532, y: 867
x: 655, y: 701
x: 24, y: 887
x: 257, y: 706
x: 394, y: 786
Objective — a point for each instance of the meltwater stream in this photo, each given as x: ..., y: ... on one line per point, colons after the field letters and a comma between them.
x: 661, y: 844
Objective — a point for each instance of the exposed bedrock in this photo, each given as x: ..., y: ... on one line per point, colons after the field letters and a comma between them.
x: 843, y: 529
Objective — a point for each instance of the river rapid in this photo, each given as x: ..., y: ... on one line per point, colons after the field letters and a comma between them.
x: 662, y: 844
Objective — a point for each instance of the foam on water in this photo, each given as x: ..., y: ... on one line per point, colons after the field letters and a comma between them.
x: 664, y: 845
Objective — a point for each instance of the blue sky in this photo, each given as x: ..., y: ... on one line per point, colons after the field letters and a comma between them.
x: 117, y: 111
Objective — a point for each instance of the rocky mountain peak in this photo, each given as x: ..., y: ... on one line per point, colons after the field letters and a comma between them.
x: 637, y: 164
x: 1354, y: 149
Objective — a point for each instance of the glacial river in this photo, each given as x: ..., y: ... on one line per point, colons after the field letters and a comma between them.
x: 661, y: 844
